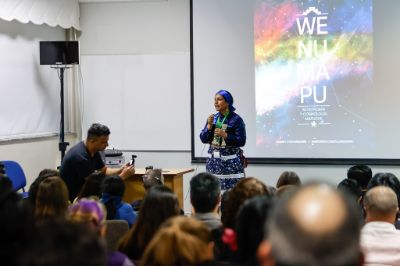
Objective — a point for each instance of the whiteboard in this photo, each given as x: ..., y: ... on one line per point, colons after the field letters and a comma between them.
x: 143, y: 98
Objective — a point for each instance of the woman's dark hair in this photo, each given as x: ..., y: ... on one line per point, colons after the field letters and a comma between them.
x: 52, y: 199
x: 92, y: 185
x: 179, y: 241
x: 245, y: 189
x: 224, y: 200
x: 361, y: 173
x: 17, y: 224
x: 249, y: 227
x: 5, y: 184
x: 33, y: 189
x: 350, y: 187
x: 113, y: 189
x: 63, y: 243
x: 159, y: 204
x: 288, y: 178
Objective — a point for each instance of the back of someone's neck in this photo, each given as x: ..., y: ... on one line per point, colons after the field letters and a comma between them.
x: 214, y: 211
x: 381, y: 218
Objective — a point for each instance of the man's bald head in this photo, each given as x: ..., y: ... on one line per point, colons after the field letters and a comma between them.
x: 315, y: 225
x: 381, y: 204
x: 317, y: 209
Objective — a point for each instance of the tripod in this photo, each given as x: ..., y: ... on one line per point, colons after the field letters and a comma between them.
x: 62, y: 145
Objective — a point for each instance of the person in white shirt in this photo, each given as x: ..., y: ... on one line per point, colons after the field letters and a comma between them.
x: 380, y: 241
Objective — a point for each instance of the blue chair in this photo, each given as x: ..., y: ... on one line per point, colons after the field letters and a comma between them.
x: 16, y: 174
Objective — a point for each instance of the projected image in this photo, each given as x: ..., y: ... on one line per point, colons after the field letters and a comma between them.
x: 313, y: 74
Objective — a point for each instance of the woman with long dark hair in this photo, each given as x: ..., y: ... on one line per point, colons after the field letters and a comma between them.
x: 51, y: 199
x: 159, y: 204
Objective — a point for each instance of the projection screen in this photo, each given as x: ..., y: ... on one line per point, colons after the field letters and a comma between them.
x: 314, y: 81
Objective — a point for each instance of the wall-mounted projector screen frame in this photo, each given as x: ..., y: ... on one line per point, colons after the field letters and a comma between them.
x: 316, y: 82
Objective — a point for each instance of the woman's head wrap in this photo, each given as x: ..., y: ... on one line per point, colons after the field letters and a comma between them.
x: 228, y: 98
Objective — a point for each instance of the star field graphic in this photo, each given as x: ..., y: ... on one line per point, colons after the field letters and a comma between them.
x: 313, y: 72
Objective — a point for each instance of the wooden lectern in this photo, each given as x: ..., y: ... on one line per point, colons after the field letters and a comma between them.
x: 173, y: 178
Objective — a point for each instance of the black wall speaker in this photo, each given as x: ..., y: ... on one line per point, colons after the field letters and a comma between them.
x: 59, y: 52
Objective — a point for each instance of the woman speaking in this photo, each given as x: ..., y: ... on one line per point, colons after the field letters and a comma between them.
x: 226, y: 133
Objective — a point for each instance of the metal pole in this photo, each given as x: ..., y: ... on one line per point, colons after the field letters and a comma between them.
x: 62, y: 145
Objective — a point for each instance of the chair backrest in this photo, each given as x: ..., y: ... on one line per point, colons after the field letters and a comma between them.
x: 116, y: 229
x: 16, y: 174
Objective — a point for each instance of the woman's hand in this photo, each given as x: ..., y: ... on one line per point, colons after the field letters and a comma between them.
x: 219, y: 132
x: 210, y: 121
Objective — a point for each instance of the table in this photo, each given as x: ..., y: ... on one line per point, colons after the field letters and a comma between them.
x: 173, y: 178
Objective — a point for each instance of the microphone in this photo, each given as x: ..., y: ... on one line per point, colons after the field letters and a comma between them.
x: 215, y: 118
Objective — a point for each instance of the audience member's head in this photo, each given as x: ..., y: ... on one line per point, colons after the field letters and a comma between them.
x: 224, y: 200
x: 282, y: 190
x: 250, y: 228
x: 153, y: 177
x: 315, y: 225
x: 113, y: 189
x: 16, y: 224
x: 380, y: 204
x: 92, y: 185
x: 180, y: 241
x: 351, y: 188
x: 90, y: 212
x: 387, y: 180
x: 51, y: 199
x: 362, y: 174
x: 64, y: 243
x: 288, y: 178
x: 2, y: 169
x: 205, y: 192
x: 33, y: 189
x: 159, y: 204
x: 5, y: 184
x: 272, y: 189
x: 97, y: 130
x: 245, y: 189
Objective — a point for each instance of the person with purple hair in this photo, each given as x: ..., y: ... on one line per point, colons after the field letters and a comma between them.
x: 225, y: 131
x: 93, y: 213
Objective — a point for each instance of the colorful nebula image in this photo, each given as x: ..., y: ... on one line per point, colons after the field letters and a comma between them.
x: 313, y: 71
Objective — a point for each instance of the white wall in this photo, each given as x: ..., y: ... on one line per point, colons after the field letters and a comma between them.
x: 34, y: 155
x: 134, y: 27
x: 136, y: 63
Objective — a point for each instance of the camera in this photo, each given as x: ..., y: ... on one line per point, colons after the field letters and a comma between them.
x: 132, y: 161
